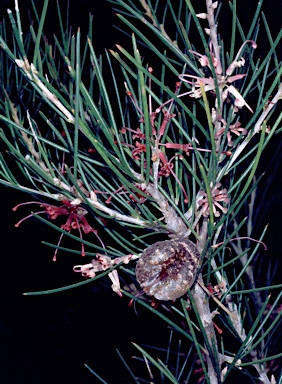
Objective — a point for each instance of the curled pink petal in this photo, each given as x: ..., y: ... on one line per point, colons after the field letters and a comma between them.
x: 86, y: 270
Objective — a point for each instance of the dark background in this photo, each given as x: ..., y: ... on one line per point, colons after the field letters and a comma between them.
x: 49, y: 338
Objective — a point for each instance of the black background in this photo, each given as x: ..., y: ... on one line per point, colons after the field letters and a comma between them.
x: 47, y: 339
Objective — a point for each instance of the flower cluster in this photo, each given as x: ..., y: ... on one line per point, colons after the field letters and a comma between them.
x: 102, y: 263
x: 217, y: 196
x: 76, y: 218
x: 233, y: 128
x: 222, y: 81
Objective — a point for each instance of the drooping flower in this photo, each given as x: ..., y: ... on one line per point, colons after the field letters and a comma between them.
x: 166, y: 166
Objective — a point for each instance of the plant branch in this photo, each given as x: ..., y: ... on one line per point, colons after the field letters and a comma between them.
x: 256, y: 129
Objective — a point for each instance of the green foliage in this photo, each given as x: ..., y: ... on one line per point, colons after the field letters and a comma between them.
x: 172, y: 149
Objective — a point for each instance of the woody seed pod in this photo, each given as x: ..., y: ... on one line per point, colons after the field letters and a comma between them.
x: 168, y: 268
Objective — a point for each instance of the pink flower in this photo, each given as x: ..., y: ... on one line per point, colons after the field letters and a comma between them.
x: 167, y: 169
x: 76, y: 218
x: 89, y: 270
x: 217, y: 196
x: 166, y: 166
x: 137, y: 134
x: 233, y: 128
x: 102, y: 263
x: 223, y: 81
x: 239, y: 63
x: 181, y: 147
x: 167, y: 117
x: 140, y: 148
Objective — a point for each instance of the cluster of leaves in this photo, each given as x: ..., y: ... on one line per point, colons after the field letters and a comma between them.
x: 124, y: 152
